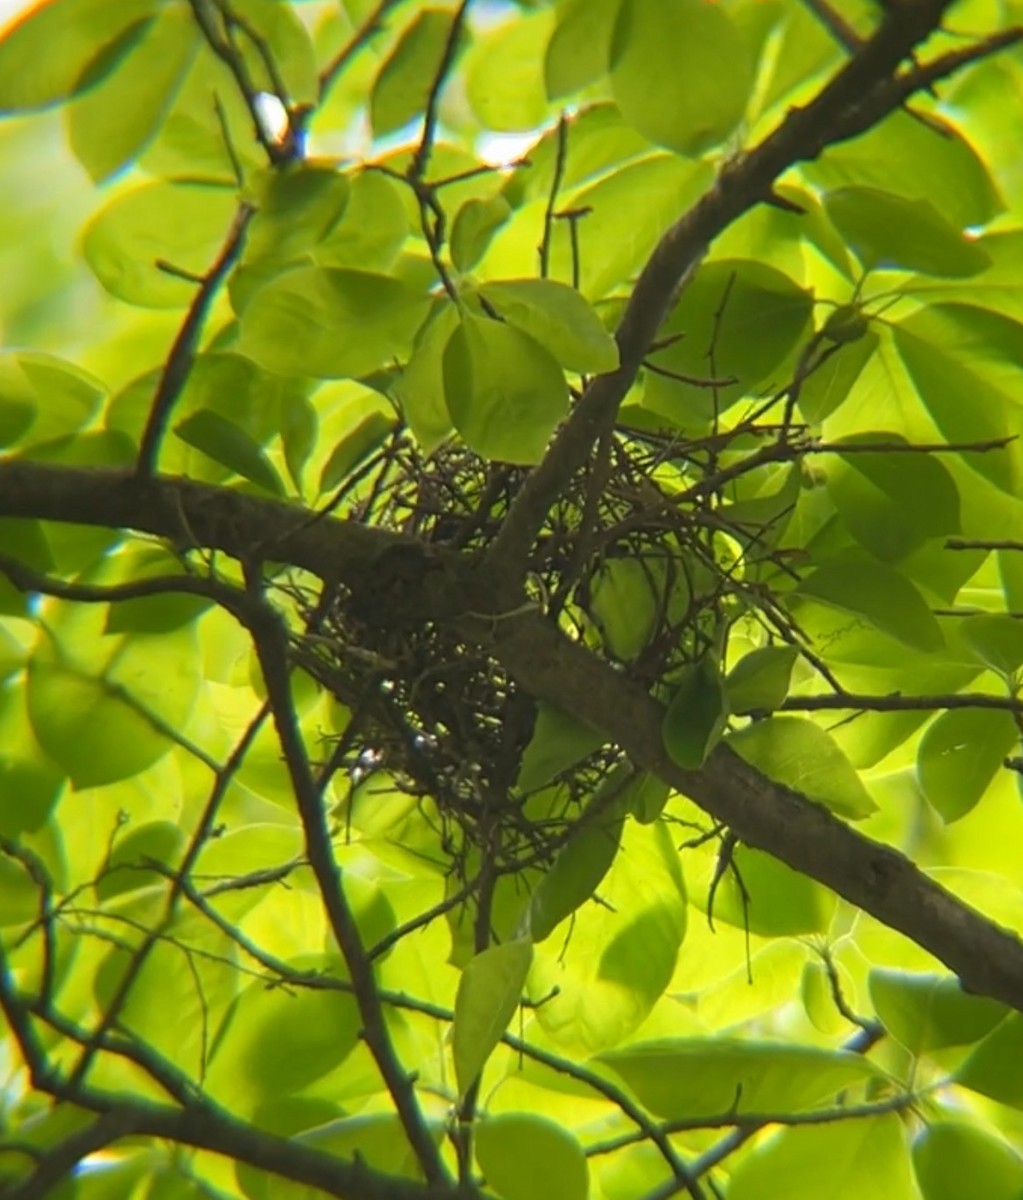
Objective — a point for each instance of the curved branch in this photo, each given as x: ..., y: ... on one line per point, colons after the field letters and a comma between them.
x: 987, y: 958
x: 864, y: 91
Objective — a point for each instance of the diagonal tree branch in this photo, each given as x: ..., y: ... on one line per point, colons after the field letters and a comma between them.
x: 765, y: 815
x: 858, y: 96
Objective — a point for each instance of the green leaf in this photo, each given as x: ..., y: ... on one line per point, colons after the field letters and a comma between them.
x: 886, y: 230
x: 832, y: 383
x: 231, y: 446
x: 60, y: 47
x: 646, y: 797
x: 45, y: 397
x: 371, y: 231
x: 330, y: 323
x: 612, y: 245
x: 21, y: 893
x: 763, y: 317
x: 110, y: 124
x: 371, y: 432
x: 680, y: 1078
x: 504, y: 74
x: 759, y: 681
x: 881, y: 595
x: 128, y: 867
x: 280, y: 1040
x: 695, y: 718
x: 800, y: 754
x: 297, y: 208
x: 959, y: 756
x: 909, y: 157
x: 951, y: 1157
x: 624, y: 602
x: 181, y: 224
x: 601, y: 984
x: 528, y: 1157
x: 584, y: 860
x: 930, y: 1012
x: 299, y: 427
x: 559, y: 741
x: 30, y: 784
x: 172, y: 993
x: 105, y: 708
x: 557, y: 317
x: 963, y: 362
x: 152, y: 614
x: 402, y: 86
x: 864, y: 1157
x: 768, y: 898
x: 506, y: 394
x: 996, y: 640
x: 376, y: 1139
x: 420, y: 388
x: 474, y: 225
x: 488, y: 994
x: 286, y: 43
x: 919, y: 485
x: 579, y: 51
x: 993, y: 1067
x: 687, y: 93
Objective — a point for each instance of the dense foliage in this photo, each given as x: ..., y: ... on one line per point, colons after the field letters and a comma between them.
x: 509, y: 675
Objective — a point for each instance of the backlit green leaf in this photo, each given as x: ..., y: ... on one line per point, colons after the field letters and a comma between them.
x: 558, y: 318
x: 297, y: 208
x: 111, y: 123
x: 474, y: 225
x: 996, y: 640
x: 402, y: 87
x: 676, y: 1078
x: 992, y: 1068
x: 504, y: 74
x: 930, y: 1012
x: 505, y: 392
x: 695, y: 717
x: 584, y: 860
x: 800, y: 754
x: 960, y: 754
x: 330, y: 323
x: 886, y: 230
x: 528, y: 1157
x: 367, y: 436
x: 60, y: 47
x: 580, y: 47
x: 559, y: 741
x: 684, y: 92
x: 759, y: 681
x: 881, y: 595
x: 861, y: 1156
x: 763, y: 316
x: 179, y: 224
x: 600, y: 985
x: 231, y: 446
x: 105, y: 708
x: 950, y: 1157
x: 488, y: 994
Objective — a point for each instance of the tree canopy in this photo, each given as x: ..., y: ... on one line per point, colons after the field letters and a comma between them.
x: 511, y: 599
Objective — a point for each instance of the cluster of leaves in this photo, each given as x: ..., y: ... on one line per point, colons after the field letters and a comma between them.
x: 289, y: 842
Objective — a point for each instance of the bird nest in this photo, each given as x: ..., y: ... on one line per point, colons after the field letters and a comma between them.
x: 635, y: 561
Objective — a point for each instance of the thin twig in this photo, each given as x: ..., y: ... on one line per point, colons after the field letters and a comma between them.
x: 421, y: 157
x: 182, y: 354
x: 271, y: 641
x: 369, y: 28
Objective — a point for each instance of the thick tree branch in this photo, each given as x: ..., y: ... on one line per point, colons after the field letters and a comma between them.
x: 857, y: 97
x: 987, y: 958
